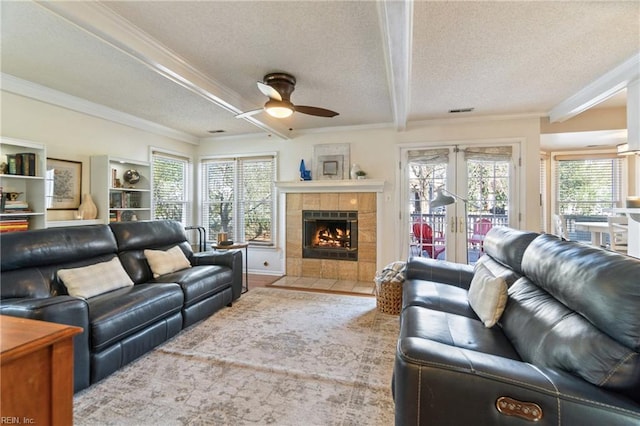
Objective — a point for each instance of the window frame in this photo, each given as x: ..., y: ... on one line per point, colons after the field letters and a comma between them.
x: 237, y: 190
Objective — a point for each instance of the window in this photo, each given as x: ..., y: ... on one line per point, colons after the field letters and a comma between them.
x: 171, y: 187
x: 586, y: 188
x: 237, y: 198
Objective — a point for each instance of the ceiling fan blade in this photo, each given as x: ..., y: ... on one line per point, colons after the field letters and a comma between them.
x: 269, y: 91
x: 320, y: 112
x: 249, y: 113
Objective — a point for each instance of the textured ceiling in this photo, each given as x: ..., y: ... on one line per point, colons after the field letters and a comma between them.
x: 496, y: 57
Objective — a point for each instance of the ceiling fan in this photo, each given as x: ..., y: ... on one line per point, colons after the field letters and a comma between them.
x: 278, y: 88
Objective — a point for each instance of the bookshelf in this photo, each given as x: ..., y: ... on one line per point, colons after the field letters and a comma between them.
x: 23, y: 176
x: 117, y: 199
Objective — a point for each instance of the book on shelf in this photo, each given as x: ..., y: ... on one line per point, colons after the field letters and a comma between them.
x: 14, y: 224
x: 15, y: 206
x: 23, y: 164
x: 115, y: 200
x: 131, y: 200
x: 28, y: 164
x: 11, y: 164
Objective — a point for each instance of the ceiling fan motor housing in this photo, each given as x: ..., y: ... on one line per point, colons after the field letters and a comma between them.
x: 284, y: 83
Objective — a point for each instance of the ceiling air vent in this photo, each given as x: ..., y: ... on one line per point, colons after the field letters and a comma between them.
x: 459, y: 110
x: 213, y: 132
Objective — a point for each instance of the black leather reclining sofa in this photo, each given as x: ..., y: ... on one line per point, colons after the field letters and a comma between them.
x: 565, y: 351
x: 119, y: 325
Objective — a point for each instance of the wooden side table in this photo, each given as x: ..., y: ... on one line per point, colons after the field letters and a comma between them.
x: 36, y: 362
x: 244, y: 246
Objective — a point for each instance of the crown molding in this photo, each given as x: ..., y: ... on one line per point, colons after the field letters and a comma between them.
x: 40, y: 93
x: 474, y: 119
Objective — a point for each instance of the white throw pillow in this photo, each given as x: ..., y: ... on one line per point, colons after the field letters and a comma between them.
x: 487, y: 296
x: 165, y: 262
x: 92, y: 280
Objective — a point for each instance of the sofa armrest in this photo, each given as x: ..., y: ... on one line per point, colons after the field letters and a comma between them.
x: 62, y: 310
x: 441, y: 271
x: 229, y: 258
x: 436, y: 383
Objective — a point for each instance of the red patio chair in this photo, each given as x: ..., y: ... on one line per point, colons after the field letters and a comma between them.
x: 423, y: 234
x: 480, y: 229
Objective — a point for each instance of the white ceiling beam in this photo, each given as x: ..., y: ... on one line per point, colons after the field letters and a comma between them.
x: 598, y: 90
x: 396, y: 22
x: 101, y: 22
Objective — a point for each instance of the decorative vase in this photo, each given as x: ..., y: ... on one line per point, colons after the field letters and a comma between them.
x: 87, y: 209
x: 354, y: 169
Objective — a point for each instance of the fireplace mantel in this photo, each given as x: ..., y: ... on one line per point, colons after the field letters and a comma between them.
x: 356, y: 185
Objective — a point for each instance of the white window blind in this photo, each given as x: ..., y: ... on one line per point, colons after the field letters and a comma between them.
x: 171, y: 187
x: 237, y: 198
x: 588, y: 186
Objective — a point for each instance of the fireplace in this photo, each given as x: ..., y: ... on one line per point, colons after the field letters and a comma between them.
x: 330, y: 234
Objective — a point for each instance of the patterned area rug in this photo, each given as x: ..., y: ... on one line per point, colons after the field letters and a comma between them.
x: 276, y: 357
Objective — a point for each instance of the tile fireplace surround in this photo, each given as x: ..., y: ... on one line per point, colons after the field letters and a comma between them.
x: 314, y: 197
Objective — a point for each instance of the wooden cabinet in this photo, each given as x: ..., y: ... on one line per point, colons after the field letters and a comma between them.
x: 36, y: 371
x: 24, y: 174
x: 119, y: 198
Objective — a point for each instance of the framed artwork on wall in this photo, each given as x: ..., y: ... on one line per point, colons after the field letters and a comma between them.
x: 63, y: 184
x: 331, y: 161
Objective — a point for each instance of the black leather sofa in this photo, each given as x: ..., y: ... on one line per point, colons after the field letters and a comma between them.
x: 564, y: 352
x: 119, y: 325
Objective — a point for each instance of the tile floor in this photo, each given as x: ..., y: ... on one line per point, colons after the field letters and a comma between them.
x: 323, y: 284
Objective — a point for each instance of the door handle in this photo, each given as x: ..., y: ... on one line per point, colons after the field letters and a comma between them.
x: 453, y: 225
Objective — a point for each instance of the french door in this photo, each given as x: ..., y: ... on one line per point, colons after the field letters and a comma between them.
x: 454, y: 195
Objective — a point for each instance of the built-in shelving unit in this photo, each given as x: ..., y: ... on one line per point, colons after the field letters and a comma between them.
x: 24, y: 174
x: 117, y: 199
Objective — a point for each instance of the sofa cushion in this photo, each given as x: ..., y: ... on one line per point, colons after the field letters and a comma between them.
x: 121, y: 313
x: 455, y: 330
x: 55, y: 246
x: 547, y: 333
x: 601, y: 285
x: 92, y: 280
x: 437, y: 296
x: 164, y: 262
x: 507, y: 246
x: 497, y: 269
x: 487, y: 296
x: 200, y: 282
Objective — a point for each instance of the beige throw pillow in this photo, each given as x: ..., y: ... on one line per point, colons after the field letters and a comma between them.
x: 487, y: 296
x: 92, y: 280
x: 165, y: 262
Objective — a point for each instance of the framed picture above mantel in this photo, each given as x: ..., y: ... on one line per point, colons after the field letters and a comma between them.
x: 63, y: 184
x: 331, y: 161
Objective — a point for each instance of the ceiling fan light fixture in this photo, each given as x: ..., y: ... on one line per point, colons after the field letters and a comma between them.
x: 278, y: 109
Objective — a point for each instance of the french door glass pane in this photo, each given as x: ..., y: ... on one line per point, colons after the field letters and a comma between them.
x: 488, y: 200
x: 427, y: 226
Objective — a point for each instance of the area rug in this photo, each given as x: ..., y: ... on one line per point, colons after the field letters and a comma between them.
x: 276, y: 357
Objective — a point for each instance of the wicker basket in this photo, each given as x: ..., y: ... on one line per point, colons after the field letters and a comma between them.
x: 389, y: 297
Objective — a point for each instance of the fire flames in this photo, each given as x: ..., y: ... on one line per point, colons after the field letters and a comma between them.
x: 326, y: 237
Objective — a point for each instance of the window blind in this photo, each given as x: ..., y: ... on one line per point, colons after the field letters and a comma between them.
x: 588, y: 186
x: 428, y: 156
x: 171, y: 187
